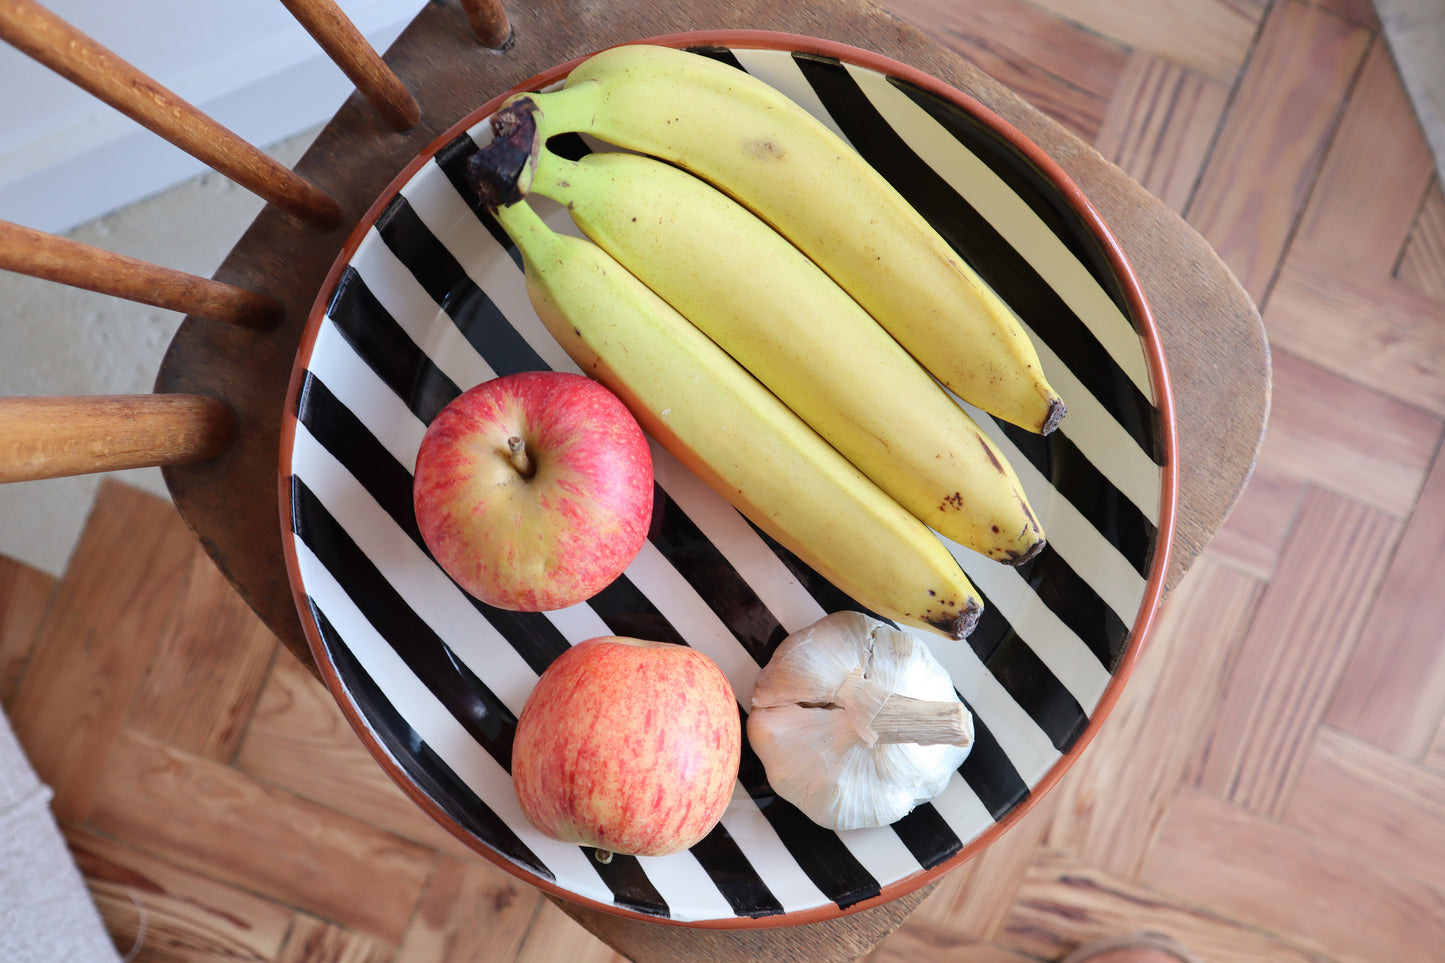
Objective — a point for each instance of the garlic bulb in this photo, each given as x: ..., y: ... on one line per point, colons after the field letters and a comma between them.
x: 856, y: 722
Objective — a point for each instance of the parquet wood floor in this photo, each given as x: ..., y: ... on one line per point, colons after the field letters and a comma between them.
x: 1271, y: 788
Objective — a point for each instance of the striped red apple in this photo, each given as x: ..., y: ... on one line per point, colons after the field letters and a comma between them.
x: 628, y: 746
x: 533, y: 491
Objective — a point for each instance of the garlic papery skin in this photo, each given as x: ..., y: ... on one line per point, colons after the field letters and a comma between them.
x: 856, y: 722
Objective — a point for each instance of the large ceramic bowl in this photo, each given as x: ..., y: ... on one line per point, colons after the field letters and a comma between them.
x: 427, y: 299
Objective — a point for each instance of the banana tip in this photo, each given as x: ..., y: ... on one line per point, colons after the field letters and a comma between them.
x: 1027, y: 556
x: 1055, y: 416
x: 961, y: 625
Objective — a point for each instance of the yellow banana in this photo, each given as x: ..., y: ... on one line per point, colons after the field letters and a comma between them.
x: 721, y: 423
x: 763, y: 302
x: 757, y: 145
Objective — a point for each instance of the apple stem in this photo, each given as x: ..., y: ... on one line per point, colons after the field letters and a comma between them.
x: 603, y: 856
x: 517, y: 454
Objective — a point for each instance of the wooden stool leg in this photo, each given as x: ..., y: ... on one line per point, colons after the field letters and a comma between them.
x: 56, y: 437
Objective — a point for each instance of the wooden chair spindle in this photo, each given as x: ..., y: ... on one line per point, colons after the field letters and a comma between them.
x: 40, y: 34
x: 489, y: 22
x: 41, y: 255
x: 363, y: 66
x: 57, y: 437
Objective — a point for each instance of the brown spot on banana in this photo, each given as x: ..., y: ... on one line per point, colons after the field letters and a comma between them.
x: 992, y: 456
x: 1033, y: 525
x: 763, y: 150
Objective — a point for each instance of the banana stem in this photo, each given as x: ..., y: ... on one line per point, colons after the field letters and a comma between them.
x: 501, y: 171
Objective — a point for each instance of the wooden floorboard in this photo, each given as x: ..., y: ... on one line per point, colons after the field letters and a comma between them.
x: 1271, y: 786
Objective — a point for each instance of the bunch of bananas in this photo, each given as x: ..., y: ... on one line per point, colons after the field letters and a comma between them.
x: 782, y: 343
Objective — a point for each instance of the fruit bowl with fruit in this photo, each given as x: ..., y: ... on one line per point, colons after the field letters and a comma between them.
x: 851, y: 345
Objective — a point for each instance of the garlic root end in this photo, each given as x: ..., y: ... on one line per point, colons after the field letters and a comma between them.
x: 903, y: 719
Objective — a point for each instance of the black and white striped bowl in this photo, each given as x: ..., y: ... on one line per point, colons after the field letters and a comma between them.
x: 427, y: 299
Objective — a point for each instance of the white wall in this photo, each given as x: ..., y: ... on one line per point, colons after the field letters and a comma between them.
x: 69, y: 164
x: 66, y: 158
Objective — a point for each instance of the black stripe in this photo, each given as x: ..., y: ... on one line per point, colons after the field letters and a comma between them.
x: 452, y: 159
x: 990, y: 773
x: 351, y: 442
x: 818, y: 852
x: 709, y: 572
x: 1078, y: 605
x: 1026, y: 678
x: 1028, y: 182
x: 928, y: 836
x: 471, y: 309
x: 465, y: 696
x: 977, y: 241
x: 628, y: 612
x: 429, y: 260
x: 720, y: 54
x: 489, y: 331
x: 423, y: 766
x: 630, y: 887
x: 722, y: 859
x: 1091, y: 493
x: 389, y: 351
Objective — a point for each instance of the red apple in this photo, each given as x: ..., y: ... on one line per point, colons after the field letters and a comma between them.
x: 534, y: 490
x: 628, y: 746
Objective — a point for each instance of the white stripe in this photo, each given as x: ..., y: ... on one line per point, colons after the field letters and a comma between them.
x: 1056, y: 645
x: 679, y: 603
x: 422, y: 586
x: 1106, y: 443
x: 578, y: 622
x: 409, y: 304
x: 1096, y: 559
x: 780, y: 71
x: 358, y: 388
x: 1021, y: 739
x: 732, y: 535
x: 1025, y: 231
x: 961, y: 808
x: 759, y: 842
x: 472, y: 764
x: 881, y: 853
x: 690, y: 892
